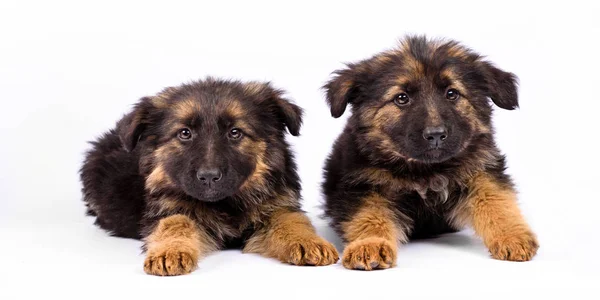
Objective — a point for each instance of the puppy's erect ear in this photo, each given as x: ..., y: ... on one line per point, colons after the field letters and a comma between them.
x: 131, y: 127
x: 288, y: 113
x: 501, y: 86
x: 341, y: 89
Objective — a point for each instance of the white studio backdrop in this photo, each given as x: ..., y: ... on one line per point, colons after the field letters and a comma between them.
x: 70, y: 70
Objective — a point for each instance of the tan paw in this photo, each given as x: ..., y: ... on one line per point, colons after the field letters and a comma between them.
x: 370, y: 254
x: 312, y: 252
x: 170, y: 261
x: 514, y: 247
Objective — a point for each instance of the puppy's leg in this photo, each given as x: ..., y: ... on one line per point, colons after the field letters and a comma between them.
x: 373, y: 234
x: 290, y: 237
x: 175, y: 246
x: 491, y: 208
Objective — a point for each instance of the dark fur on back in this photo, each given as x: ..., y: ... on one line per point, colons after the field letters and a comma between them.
x: 382, y: 150
x: 147, y: 169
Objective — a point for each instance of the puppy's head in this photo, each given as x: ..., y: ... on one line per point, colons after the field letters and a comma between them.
x: 425, y: 101
x: 210, y: 139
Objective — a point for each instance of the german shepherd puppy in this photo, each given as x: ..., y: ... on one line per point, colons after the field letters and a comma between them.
x: 417, y: 157
x: 201, y: 167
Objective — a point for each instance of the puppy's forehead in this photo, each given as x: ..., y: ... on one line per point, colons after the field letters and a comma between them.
x: 420, y: 59
x: 207, y: 98
x: 212, y: 108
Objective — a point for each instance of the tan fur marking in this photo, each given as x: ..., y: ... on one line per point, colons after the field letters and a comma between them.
x: 235, y: 110
x: 256, y: 149
x: 417, y: 69
x: 374, y: 218
x: 373, y: 235
x: 164, y: 151
x: 175, y: 246
x: 384, y: 58
x: 169, y: 204
x: 383, y: 177
x: 386, y: 115
x: 376, y: 118
x: 394, y: 90
x: 433, y: 115
x: 456, y: 83
x: 369, y: 254
x: 383, y: 142
x: 457, y: 51
x: 157, y: 178
x: 493, y: 212
x: 464, y: 107
x: 161, y: 100
x: 344, y: 88
x: 186, y: 109
x: 291, y: 238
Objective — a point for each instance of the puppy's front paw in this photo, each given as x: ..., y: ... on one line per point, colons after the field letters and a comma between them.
x: 313, y: 252
x: 170, y: 261
x: 520, y: 247
x: 369, y: 254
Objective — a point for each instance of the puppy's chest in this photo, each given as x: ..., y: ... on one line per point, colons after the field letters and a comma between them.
x: 220, y: 219
x: 437, y: 192
x: 224, y: 222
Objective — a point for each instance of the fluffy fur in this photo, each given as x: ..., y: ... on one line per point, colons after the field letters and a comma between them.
x: 201, y: 167
x: 417, y: 157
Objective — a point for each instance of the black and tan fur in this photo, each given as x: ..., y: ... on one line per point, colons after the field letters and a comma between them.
x: 390, y: 179
x: 147, y: 178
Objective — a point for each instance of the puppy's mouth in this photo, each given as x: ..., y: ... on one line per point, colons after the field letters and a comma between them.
x: 211, y: 196
x: 435, y: 155
x: 207, y: 194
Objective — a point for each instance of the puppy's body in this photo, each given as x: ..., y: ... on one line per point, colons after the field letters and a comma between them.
x: 201, y: 167
x: 417, y: 157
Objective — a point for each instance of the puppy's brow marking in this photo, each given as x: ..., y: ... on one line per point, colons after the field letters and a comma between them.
x: 455, y: 80
x: 235, y: 110
x: 186, y: 109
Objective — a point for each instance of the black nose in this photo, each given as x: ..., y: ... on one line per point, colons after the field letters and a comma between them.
x: 435, y: 135
x: 209, y: 175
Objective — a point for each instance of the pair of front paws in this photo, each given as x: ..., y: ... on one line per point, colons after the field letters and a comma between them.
x: 379, y: 253
x: 171, y: 261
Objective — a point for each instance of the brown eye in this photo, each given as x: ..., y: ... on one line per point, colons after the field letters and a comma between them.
x: 401, y: 99
x: 185, y: 134
x: 235, y: 133
x: 452, y: 94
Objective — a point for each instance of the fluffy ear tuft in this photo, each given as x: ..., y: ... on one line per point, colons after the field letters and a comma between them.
x: 131, y: 127
x: 501, y: 86
x: 340, y: 90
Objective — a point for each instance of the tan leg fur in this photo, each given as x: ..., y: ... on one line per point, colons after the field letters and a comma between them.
x: 291, y: 238
x: 373, y: 235
x: 175, y: 246
x: 491, y: 209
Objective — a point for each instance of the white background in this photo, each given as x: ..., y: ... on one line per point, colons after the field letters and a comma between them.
x: 68, y: 71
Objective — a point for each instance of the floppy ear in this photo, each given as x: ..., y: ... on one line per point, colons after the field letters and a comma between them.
x: 290, y: 114
x: 341, y: 89
x: 287, y: 112
x: 133, y: 124
x: 501, y: 86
